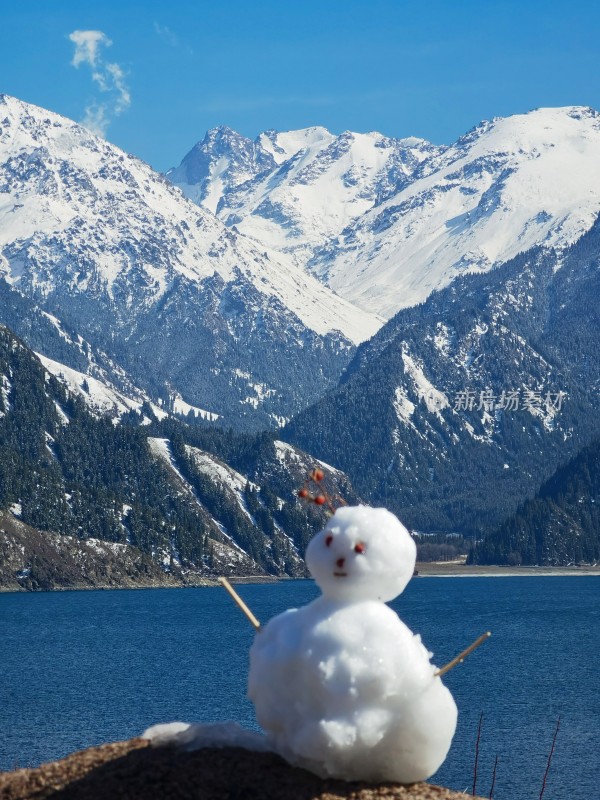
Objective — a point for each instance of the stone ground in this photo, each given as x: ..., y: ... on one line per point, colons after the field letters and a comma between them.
x: 134, y: 770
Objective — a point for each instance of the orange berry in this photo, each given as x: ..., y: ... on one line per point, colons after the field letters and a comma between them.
x: 320, y: 500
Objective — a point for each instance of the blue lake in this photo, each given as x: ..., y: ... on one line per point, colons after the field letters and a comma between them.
x: 81, y: 668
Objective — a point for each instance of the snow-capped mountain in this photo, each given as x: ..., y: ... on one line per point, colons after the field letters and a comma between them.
x: 295, y: 190
x: 222, y: 160
x: 384, y: 222
x: 506, y: 186
x: 97, y: 239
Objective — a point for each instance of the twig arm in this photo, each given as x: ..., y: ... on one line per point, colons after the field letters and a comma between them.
x: 461, y: 656
x: 240, y: 603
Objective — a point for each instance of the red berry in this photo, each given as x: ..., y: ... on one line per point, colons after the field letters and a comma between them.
x: 303, y: 493
x: 360, y: 547
x: 320, y: 500
x: 318, y: 475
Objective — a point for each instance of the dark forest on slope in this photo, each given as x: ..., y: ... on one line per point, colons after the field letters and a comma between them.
x: 64, y: 470
x: 560, y: 525
x: 530, y: 326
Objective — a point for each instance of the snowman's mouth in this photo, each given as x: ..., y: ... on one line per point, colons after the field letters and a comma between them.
x: 341, y: 574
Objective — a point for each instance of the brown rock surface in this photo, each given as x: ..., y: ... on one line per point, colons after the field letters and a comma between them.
x: 134, y: 770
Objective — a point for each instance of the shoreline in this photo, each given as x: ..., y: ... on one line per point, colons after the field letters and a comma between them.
x: 424, y: 569
x: 452, y: 569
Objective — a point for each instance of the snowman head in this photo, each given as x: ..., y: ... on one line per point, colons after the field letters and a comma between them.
x: 362, y: 554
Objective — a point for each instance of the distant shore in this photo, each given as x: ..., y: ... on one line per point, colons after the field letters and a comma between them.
x: 424, y: 569
x: 454, y: 569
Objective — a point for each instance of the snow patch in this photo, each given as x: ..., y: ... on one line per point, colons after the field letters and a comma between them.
x: 434, y: 399
x: 402, y: 405
x: 196, y: 737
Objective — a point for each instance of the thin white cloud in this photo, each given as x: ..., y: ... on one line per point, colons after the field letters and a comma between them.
x: 108, y: 77
x: 123, y: 94
x: 167, y: 34
x: 87, y: 46
x: 171, y: 38
x: 95, y: 119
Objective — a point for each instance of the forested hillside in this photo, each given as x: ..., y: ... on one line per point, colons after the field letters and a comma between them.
x: 459, y: 408
x: 560, y: 525
x: 197, y: 501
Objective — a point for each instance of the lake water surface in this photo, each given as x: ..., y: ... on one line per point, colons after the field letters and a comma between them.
x: 81, y: 668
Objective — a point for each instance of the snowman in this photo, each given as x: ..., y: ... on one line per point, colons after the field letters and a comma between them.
x: 342, y: 686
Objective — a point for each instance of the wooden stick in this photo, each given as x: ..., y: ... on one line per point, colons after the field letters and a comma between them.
x: 243, y: 607
x: 494, y: 778
x: 549, y: 759
x: 477, y: 754
x: 461, y: 657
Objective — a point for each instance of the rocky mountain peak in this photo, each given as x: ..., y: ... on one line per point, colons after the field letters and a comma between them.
x: 107, y: 246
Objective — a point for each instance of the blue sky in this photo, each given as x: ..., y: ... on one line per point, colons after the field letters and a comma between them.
x: 154, y: 76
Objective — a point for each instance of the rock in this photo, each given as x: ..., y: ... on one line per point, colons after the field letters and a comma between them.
x: 134, y: 770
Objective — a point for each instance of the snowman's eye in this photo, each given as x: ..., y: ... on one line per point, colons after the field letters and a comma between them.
x: 360, y: 547
x: 329, y: 540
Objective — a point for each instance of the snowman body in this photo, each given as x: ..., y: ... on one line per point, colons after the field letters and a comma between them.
x: 342, y: 686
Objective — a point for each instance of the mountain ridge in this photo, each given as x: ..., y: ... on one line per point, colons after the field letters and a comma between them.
x: 99, y: 241
x: 507, y: 185
x: 429, y: 429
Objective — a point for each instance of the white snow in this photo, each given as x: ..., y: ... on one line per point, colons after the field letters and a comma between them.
x: 161, y: 448
x: 196, y: 737
x: 180, y: 406
x: 403, y: 407
x: 101, y: 546
x: 54, y: 214
x: 341, y: 686
x: 100, y: 397
x: 385, y: 222
x: 5, y: 388
x: 434, y: 399
x: 514, y: 183
x: 442, y: 338
x: 287, y: 452
x: 284, y: 144
x: 61, y: 414
x: 323, y: 185
x: 220, y: 473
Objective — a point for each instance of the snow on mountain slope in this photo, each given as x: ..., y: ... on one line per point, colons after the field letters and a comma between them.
x: 384, y: 222
x: 222, y: 159
x: 229, y: 551
x: 228, y: 478
x: 100, y: 397
x: 316, y: 184
x: 504, y: 187
x: 285, y: 144
x: 217, y: 479
x: 156, y: 284
x: 320, y: 190
x: 76, y: 211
